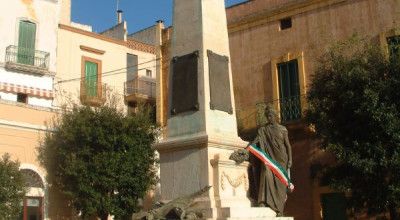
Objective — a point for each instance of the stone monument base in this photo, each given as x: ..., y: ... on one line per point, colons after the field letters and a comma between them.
x: 248, y: 213
x: 238, y: 213
x: 205, y: 162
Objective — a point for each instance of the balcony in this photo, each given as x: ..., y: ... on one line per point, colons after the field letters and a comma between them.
x: 290, y: 108
x: 140, y: 90
x: 92, y: 93
x: 27, y: 60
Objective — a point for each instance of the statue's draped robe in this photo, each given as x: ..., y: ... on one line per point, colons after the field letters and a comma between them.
x: 271, y: 139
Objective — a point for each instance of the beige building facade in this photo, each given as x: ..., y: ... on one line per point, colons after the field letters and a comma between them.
x: 93, y: 67
x: 127, y: 69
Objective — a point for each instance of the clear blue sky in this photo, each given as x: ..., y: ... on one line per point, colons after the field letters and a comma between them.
x: 101, y: 14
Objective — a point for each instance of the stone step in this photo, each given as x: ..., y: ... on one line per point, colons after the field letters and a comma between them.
x: 249, y: 218
x: 242, y: 213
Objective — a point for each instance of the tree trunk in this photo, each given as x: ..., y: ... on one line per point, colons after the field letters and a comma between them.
x: 394, y: 215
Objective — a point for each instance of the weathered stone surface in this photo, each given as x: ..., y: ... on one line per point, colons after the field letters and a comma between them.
x: 179, y: 208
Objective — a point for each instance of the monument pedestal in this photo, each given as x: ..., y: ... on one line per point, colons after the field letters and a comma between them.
x: 191, y: 162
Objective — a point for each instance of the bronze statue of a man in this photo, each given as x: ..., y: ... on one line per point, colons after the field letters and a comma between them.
x: 272, y: 138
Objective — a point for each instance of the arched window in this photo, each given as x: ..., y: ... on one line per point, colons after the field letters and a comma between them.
x: 32, y: 179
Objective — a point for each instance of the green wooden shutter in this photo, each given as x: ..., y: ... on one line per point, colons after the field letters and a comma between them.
x: 91, y: 78
x: 289, y: 90
x: 26, y: 43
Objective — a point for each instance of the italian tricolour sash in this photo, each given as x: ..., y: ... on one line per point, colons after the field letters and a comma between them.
x: 274, y: 166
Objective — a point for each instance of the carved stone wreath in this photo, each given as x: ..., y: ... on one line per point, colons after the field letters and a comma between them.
x: 235, y: 183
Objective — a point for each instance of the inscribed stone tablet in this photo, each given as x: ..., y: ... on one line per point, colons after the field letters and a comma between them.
x: 220, y: 94
x: 184, y: 84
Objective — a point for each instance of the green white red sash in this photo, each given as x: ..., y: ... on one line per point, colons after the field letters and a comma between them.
x: 274, y: 166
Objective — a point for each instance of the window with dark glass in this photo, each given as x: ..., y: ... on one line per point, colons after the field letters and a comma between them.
x: 22, y: 97
x: 289, y: 91
x: 286, y: 23
x: 149, y: 73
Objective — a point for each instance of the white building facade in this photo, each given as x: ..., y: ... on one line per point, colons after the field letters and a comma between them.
x: 28, y: 48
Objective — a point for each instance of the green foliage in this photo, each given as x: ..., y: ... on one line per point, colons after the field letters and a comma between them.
x: 355, y: 108
x: 101, y: 159
x: 12, y: 188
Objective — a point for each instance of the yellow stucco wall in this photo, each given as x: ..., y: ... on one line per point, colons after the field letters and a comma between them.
x: 257, y: 44
x: 20, y: 144
x: 21, y: 128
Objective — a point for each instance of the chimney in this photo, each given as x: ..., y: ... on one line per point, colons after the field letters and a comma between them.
x: 119, y: 16
x: 65, y: 12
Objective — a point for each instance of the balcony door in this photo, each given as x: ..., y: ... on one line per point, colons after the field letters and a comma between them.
x: 91, y: 69
x: 33, y: 208
x: 33, y: 203
x: 289, y: 91
x: 26, y: 43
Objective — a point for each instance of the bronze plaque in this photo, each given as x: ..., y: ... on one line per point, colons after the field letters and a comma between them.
x: 184, y: 95
x: 220, y: 94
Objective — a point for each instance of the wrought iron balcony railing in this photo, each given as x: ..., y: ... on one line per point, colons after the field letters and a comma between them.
x: 290, y: 108
x: 92, y: 93
x: 27, y: 59
x: 143, y: 87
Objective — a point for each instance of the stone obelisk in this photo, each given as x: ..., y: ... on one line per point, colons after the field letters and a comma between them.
x: 202, y: 127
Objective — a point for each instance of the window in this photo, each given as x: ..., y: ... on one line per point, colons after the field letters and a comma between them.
x: 286, y: 23
x: 92, y: 91
x: 149, y: 73
x: 289, y: 90
x: 132, y: 66
x: 394, y: 46
x: 26, y: 42
x: 22, y: 97
x: 91, y: 70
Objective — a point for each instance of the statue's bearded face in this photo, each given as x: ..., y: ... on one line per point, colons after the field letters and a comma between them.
x: 271, y: 118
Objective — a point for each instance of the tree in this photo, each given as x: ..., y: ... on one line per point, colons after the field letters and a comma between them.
x: 12, y: 188
x: 101, y: 159
x: 354, y: 103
